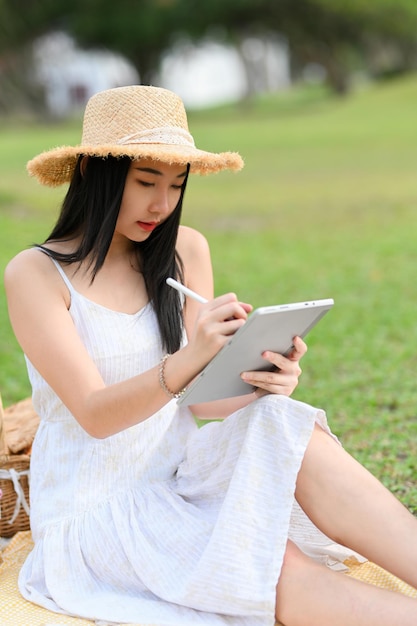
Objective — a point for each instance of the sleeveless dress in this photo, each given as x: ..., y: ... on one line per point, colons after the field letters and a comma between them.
x: 164, y: 523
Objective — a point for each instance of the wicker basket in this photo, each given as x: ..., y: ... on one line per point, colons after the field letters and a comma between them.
x: 14, y: 502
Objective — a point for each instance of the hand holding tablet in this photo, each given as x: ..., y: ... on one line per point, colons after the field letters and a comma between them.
x: 267, y: 328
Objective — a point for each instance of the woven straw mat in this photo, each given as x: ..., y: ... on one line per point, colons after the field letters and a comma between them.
x: 15, y: 611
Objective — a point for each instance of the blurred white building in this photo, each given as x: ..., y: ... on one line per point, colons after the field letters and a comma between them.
x: 213, y: 73
x: 70, y: 76
x: 204, y: 74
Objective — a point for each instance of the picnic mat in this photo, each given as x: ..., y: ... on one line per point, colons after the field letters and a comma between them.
x: 15, y: 611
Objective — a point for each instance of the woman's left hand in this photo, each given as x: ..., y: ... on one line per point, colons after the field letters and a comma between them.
x: 282, y: 380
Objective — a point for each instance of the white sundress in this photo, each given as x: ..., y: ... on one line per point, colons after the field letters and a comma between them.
x: 164, y: 523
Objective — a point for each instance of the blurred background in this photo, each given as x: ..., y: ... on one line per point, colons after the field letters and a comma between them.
x: 55, y: 54
x: 320, y: 98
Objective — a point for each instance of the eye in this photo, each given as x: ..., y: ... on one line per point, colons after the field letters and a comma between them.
x: 145, y: 184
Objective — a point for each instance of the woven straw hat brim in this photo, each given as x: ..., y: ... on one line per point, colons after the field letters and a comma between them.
x: 55, y: 167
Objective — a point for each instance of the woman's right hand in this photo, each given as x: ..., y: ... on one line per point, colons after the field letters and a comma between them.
x: 216, y: 322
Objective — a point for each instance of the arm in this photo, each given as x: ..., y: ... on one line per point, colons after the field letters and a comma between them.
x: 38, y: 304
x: 199, y: 277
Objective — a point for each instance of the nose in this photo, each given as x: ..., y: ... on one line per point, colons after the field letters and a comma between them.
x: 160, y: 204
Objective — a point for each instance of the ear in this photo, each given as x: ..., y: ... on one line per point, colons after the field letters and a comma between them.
x: 83, y: 165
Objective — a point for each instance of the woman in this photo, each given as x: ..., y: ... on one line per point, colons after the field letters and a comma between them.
x: 136, y: 514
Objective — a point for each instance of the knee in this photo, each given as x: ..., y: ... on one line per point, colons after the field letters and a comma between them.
x: 293, y: 558
x: 295, y: 571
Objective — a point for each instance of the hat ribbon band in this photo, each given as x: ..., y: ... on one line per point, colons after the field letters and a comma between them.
x: 167, y: 135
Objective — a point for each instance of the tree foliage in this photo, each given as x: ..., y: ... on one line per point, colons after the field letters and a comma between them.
x: 329, y: 32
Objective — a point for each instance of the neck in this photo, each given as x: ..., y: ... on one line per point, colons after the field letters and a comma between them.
x: 122, y: 252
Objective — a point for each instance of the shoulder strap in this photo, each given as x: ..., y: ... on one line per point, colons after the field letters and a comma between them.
x: 59, y: 268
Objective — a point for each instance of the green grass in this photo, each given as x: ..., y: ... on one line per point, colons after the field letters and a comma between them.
x: 325, y: 207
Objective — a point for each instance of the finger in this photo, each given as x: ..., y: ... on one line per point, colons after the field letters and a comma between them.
x: 227, y: 306
x: 278, y: 391
x: 276, y: 359
x: 281, y: 362
x: 299, y: 349
x: 246, y: 306
x: 229, y: 326
x: 282, y: 390
x: 271, y: 381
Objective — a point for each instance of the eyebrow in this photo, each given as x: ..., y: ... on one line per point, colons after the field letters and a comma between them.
x: 150, y: 170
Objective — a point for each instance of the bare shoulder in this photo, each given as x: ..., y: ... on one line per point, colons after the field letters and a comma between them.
x: 26, y: 265
x: 32, y: 272
x: 194, y: 251
x: 191, y: 243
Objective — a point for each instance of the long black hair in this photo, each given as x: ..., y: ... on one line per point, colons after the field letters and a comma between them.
x: 90, y: 210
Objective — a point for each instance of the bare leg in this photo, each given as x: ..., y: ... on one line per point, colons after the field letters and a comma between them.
x: 353, y: 508
x: 310, y: 594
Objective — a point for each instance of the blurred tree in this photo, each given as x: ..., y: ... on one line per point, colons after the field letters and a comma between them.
x: 20, y: 23
x: 386, y: 32
x: 332, y: 33
x: 141, y: 30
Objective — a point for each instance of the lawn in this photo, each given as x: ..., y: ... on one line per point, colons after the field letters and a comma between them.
x: 325, y: 207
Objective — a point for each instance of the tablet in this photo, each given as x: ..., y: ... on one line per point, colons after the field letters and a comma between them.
x: 267, y: 328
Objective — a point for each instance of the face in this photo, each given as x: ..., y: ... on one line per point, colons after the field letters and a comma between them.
x: 152, y: 191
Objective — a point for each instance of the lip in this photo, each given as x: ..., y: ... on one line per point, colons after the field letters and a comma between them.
x: 147, y: 226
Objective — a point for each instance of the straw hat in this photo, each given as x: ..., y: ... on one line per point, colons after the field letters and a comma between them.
x: 138, y: 122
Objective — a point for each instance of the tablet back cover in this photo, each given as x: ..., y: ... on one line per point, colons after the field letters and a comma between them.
x: 267, y: 328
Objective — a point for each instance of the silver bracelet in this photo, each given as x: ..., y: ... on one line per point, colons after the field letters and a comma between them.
x: 162, y: 380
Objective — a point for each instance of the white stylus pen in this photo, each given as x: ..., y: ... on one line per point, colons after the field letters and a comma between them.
x: 187, y: 292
